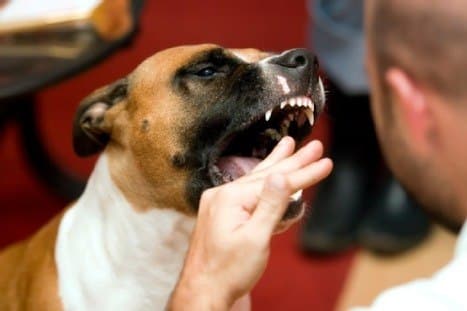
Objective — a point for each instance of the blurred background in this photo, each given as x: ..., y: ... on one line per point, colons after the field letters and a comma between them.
x: 293, y: 280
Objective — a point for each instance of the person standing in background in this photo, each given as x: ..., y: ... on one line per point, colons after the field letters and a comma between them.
x: 360, y: 202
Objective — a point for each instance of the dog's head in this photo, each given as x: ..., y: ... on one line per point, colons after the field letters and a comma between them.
x: 193, y: 117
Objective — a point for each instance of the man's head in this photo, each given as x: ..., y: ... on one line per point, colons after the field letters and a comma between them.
x: 417, y: 65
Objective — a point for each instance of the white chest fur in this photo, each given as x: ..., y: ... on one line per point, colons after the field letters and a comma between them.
x: 111, y: 257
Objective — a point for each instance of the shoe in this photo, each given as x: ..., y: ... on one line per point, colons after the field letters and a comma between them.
x: 395, y: 223
x: 336, y: 212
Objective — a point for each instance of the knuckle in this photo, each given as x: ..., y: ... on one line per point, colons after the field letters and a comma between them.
x: 268, y: 202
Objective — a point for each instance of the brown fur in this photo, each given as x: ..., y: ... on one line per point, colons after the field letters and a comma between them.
x: 151, y: 150
x: 251, y: 55
x: 144, y: 127
x: 28, y: 277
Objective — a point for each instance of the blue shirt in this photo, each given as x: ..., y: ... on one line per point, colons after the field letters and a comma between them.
x: 337, y: 35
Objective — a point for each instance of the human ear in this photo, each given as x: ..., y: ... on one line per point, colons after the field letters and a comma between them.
x: 411, y: 106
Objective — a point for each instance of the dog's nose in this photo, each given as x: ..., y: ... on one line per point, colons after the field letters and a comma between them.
x: 300, y: 59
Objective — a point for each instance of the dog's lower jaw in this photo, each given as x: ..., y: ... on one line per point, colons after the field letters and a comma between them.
x: 110, y: 256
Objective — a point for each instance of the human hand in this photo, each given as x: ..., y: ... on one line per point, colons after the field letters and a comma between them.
x: 230, y: 244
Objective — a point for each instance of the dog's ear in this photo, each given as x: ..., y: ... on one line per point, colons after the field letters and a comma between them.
x: 90, y: 131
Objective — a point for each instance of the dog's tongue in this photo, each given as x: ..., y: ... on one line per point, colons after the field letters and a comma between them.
x: 235, y: 167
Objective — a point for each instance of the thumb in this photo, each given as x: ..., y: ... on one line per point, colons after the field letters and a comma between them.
x: 272, y: 203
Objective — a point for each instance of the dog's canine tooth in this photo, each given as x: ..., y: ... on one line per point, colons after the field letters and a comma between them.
x: 297, y: 195
x: 311, y: 116
x: 283, y: 104
x: 268, y: 114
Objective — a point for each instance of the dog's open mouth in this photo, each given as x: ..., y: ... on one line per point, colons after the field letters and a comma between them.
x: 240, y: 152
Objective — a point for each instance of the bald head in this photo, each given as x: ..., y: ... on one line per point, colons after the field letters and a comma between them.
x: 427, y: 39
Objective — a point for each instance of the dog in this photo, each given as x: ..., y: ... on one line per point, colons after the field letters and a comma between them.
x: 186, y: 119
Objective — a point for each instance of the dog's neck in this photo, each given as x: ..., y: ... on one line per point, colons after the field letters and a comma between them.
x: 107, y: 249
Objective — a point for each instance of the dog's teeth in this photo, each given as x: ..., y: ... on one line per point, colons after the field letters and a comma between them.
x: 298, y: 102
x: 312, y: 106
x: 310, y: 115
x: 297, y: 195
x: 268, y: 114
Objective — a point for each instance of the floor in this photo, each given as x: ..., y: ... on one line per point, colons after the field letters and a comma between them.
x: 292, y: 281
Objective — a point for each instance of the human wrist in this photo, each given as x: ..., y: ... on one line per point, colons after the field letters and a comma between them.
x: 198, y: 293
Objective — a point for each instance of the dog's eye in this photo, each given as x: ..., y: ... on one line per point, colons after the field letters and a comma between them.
x: 206, y: 72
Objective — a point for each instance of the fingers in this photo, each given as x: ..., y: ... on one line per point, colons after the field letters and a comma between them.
x: 303, y: 157
x: 310, y: 175
x: 283, y: 149
x: 307, y: 154
x: 297, y: 180
x: 271, y: 206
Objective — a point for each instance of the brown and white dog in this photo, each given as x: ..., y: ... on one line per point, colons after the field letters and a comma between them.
x: 187, y: 119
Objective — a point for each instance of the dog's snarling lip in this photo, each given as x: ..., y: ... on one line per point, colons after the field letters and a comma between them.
x: 240, y: 152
